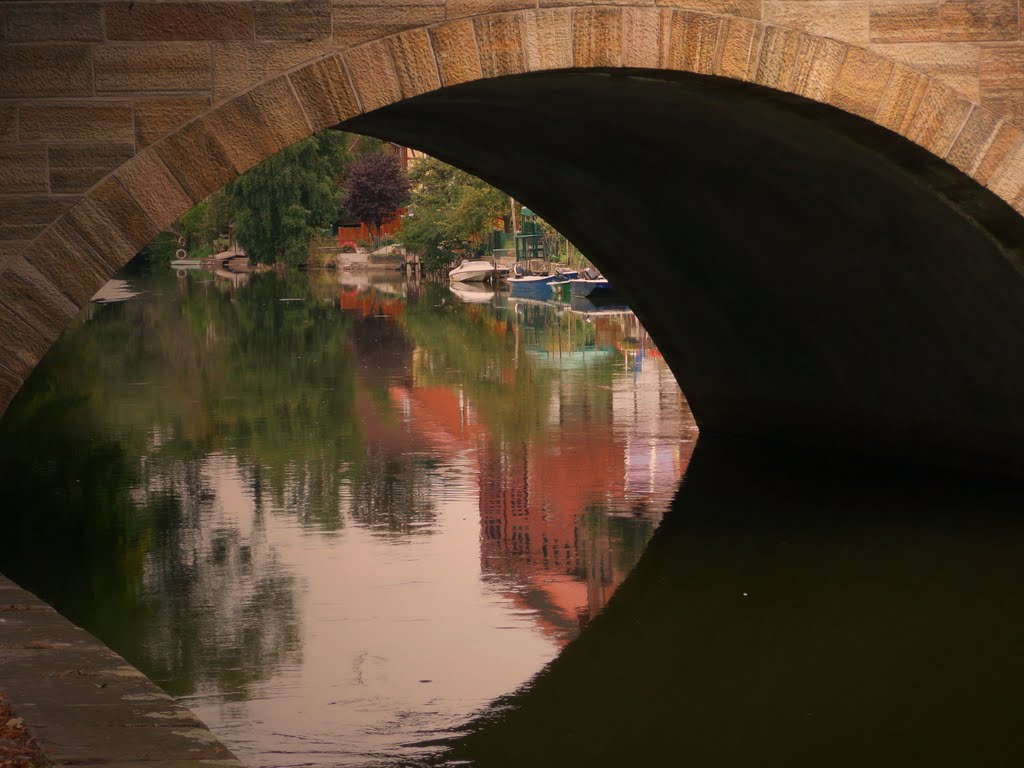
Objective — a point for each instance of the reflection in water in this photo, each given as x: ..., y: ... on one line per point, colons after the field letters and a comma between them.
x: 789, y: 613
x: 337, y: 520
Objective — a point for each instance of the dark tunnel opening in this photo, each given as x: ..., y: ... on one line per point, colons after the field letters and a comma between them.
x: 812, y: 278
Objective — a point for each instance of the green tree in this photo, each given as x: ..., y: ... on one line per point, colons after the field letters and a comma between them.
x: 280, y: 204
x: 453, y: 213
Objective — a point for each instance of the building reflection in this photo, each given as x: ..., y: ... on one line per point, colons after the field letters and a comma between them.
x: 567, y: 505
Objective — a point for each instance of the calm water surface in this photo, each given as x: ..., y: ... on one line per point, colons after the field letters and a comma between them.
x: 337, y: 517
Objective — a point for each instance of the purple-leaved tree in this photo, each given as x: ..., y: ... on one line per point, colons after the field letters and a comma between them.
x: 375, y: 187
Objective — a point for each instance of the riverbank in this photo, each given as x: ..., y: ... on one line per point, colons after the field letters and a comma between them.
x: 84, y: 704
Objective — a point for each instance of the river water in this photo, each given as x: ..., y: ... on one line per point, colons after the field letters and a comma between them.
x: 337, y: 517
x: 351, y: 523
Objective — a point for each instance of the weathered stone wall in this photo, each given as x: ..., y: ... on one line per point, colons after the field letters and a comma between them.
x: 116, y: 116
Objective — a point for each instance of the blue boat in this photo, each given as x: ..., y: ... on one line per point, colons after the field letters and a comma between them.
x: 536, y: 286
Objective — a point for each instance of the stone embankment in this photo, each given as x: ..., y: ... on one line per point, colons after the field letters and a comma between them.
x: 83, y: 703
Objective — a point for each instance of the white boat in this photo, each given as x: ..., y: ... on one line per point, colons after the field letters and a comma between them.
x: 474, y: 271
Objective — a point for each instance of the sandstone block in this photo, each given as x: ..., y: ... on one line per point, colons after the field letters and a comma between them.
x: 977, y: 135
x: 899, y: 21
x: 458, y: 58
x: 739, y: 45
x: 563, y: 3
x: 8, y: 122
x: 1005, y: 139
x: 223, y: 20
x: 46, y: 70
x: 112, y: 223
x: 11, y: 248
x: 845, y: 20
x: 65, y: 259
x: 76, y: 168
x: 901, y: 98
x: 777, y: 60
x: 326, y: 95
x: 374, y: 78
x: 692, y: 42
x: 939, y: 118
x: 955, y: 64
x: 54, y: 21
x: 817, y: 66
x: 197, y: 160
x: 77, y: 121
x: 154, y: 188
x: 361, y: 21
x: 153, y: 68
x: 293, y: 20
x: 32, y: 314
x: 458, y: 8
x: 502, y: 45
x: 548, y: 39
x: 22, y: 218
x: 23, y: 349
x: 239, y: 66
x: 646, y: 33
x: 1002, y: 79
x: 414, y: 62
x: 23, y: 170
x: 597, y: 37
x: 750, y: 9
x: 860, y: 83
x: 157, y: 117
x: 1007, y: 179
x: 255, y: 126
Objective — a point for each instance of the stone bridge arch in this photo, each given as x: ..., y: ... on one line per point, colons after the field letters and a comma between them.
x: 62, y: 246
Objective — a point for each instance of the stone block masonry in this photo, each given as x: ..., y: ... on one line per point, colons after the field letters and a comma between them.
x: 78, y: 697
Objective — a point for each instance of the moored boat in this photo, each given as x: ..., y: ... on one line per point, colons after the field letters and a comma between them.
x: 592, y: 285
x: 537, y: 286
x: 475, y: 271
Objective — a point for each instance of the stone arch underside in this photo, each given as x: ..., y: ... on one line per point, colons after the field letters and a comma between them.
x: 828, y: 268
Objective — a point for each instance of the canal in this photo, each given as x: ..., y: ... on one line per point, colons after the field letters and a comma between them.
x: 338, y: 517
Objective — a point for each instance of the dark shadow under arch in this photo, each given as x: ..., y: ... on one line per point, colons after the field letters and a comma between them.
x: 811, y: 277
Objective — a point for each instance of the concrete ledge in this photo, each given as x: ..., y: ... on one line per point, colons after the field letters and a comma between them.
x: 84, y: 703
